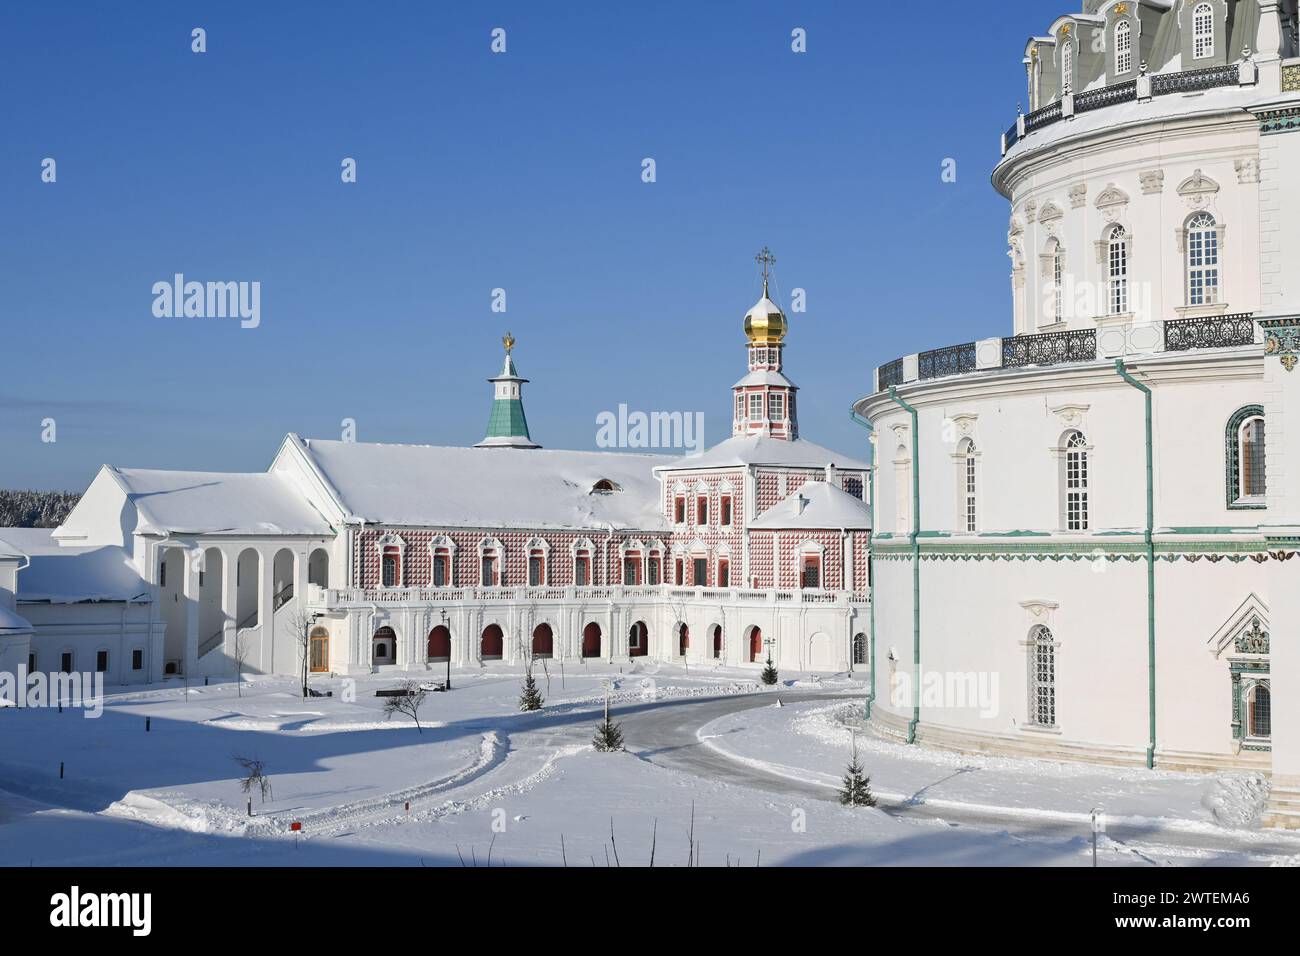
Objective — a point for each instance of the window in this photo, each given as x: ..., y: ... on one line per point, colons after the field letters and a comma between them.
x: 1244, y: 447
x: 1202, y: 31
x: 1042, y: 677
x: 1117, y: 273
x: 31, y: 663
x: 1123, y: 47
x: 966, y: 460
x: 631, y: 568
x: 488, y: 570
x: 679, y: 571
x: 1259, y: 717
x: 440, y: 563
x: 1076, y: 482
x: 65, y: 662
x: 859, y: 648
x: 536, y: 569
x: 902, y: 491
x: 776, y: 406
x: 652, y: 569
x: 756, y: 406
x: 162, y: 573
x: 391, y: 566
x: 582, y: 570
x: 811, y: 576
x: 101, y: 661
x: 740, y: 406
x: 700, y: 568
x: 724, y: 510
x: 702, y: 510
x: 724, y: 573
x: 1067, y: 65
x: 137, y: 660
x: 1054, y: 295
x: 679, y: 510
x: 1202, y: 260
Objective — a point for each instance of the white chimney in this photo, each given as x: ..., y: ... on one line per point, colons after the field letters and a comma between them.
x: 830, y: 475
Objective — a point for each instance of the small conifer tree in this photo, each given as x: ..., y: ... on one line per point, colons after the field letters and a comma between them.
x: 856, y: 791
x: 531, y: 698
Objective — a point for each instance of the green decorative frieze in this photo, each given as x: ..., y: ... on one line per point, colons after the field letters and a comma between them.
x: 1280, y: 120
x: 1282, y: 338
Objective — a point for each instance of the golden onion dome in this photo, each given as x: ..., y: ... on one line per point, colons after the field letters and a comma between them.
x: 765, y: 323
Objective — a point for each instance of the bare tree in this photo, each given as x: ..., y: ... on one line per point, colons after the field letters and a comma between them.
x: 407, y: 702
x: 255, y: 771
x: 298, y: 626
x: 241, y: 651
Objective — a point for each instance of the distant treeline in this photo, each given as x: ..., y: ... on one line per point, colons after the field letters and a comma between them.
x: 35, y: 509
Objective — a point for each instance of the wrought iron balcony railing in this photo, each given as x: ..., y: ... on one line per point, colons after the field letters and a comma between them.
x: 1210, y: 332
x: 890, y: 374
x: 1049, y: 348
x: 940, y: 363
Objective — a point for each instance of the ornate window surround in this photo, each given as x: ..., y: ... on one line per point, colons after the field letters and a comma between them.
x: 1232, y: 459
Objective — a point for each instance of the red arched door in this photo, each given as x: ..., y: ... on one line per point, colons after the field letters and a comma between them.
x: 439, y: 643
x: 717, y: 641
x: 543, y: 641
x: 591, y: 640
x: 493, y: 642
x: 756, y: 644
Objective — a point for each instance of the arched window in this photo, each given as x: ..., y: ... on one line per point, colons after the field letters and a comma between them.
x: 1117, y: 271
x: 966, y: 458
x: 1202, y: 260
x: 1074, y: 484
x: 1042, y: 677
x: 1244, y: 445
x: 1259, y: 707
x: 391, y: 565
x: 1123, y: 47
x: 1067, y: 65
x: 1054, y: 300
x: 1202, y: 31
x: 859, y: 648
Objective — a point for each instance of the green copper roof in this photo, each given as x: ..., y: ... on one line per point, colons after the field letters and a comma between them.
x: 508, y: 419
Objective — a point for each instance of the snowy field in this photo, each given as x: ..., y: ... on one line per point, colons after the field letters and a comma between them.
x: 716, y: 772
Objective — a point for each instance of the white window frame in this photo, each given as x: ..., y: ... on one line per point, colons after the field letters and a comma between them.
x: 1067, y: 65
x: 1202, y: 31
x: 967, y: 485
x: 1075, y: 481
x: 756, y: 404
x: 1117, y: 269
x: 1243, y: 495
x: 1042, y: 664
x: 1203, y: 260
x: 1123, y: 47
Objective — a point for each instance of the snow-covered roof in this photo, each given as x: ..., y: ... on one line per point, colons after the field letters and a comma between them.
x: 762, y: 450
x: 823, y: 506
x: 430, y: 485
x: 9, y: 551
x: 211, y: 502
x: 763, y: 377
x: 65, y: 574
x: 11, y: 623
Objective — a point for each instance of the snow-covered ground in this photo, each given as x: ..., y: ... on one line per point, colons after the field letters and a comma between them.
x: 709, y: 753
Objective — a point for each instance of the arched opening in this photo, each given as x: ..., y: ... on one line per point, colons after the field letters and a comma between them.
x: 683, y: 639
x: 282, y: 577
x: 212, y: 619
x: 383, y: 646
x: 319, y: 650
x: 859, y: 648
x: 318, y: 568
x: 543, y: 641
x: 755, y: 644
x: 248, y: 573
x: 591, y: 640
x: 439, y: 648
x: 172, y: 568
x: 492, y: 643
x: 717, y: 642
x: 638, y: 640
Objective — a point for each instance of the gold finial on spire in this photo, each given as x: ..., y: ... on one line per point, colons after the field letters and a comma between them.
x: 766, y: 260
x: 508, y: 341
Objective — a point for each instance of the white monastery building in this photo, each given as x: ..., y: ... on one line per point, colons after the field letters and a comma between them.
x: 365, y: 557
x: 1101, y: 511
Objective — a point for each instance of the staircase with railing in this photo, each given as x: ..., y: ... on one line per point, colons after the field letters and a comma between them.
x: 282, y: 597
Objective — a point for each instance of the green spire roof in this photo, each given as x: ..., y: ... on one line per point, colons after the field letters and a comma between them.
x: 508, y: 425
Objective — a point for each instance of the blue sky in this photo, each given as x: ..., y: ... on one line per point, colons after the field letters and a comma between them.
x: 476, y: 171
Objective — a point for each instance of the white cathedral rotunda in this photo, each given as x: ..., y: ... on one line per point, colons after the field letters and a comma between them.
x: 407, y: 557
x: 1100, y: 513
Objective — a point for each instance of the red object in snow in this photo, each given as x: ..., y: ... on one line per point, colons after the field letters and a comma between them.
x: 295, y: 826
